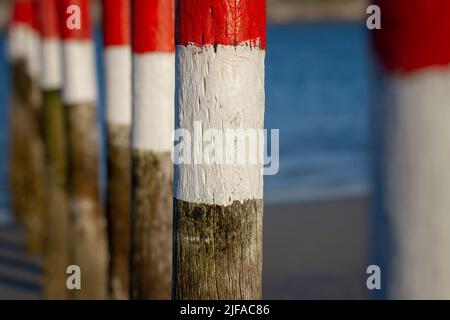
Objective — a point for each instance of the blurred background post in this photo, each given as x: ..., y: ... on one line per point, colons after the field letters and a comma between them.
x: 27, y: 174
x: 56, y: 218
x: 89, y: 249
x: 117, y: 55
x: 153, y: 118
x: 411, y: 114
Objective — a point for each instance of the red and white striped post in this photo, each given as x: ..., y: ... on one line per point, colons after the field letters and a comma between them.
x: 51, y: 76
x: 117, y: 53
x: 24, y: 36
x: 56, y: 246
x: 218, y: 208
x: 27, y: 161
x: 413, y: 112
x: 88, y: 226
x: 153, y: 109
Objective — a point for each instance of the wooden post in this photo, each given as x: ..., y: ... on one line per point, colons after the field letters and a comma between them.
x: 412, y: 112
x: 56, y: 246
x: 18, y: 32
x: 116, y: 20
x: 87, y: 223
x: 27, y: 158
x: 153, y: 81
x: 218, y: 208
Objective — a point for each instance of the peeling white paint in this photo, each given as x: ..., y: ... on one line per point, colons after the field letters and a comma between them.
x: 79, y: 72
x: 416, y: 182
x: 118, y: 85
x: 223, y: 88
x: 51, y: 75
x: 153, y: 105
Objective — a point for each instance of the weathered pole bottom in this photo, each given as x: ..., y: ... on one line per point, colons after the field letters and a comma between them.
x: 218, y: 206
x: 56, y: 220
x: 27, y: 157
x: 412, y: 111
x: 153, y: 80
x: 116, y: 17
x: 56, y: 245
x: 87, y: 223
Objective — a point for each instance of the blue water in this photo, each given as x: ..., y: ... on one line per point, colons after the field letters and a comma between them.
x: 316, y: 94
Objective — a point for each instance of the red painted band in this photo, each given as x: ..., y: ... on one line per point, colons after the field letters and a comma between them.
x: 22, y: 12
x: 116, y: 22
x: 414, y: 34
x: 35, y: 20
x: 75, y: 7
x: 153, y: 26
x: 48, y: 18
x: 232, y: 23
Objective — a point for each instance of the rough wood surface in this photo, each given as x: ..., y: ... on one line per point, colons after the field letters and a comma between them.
x: 218, y: 251
x: 87, y: 223
x: 56, y: 244
x: 27, y: 175
x: 18, y: 143
x: 119, y: 209
x: 152, y: 225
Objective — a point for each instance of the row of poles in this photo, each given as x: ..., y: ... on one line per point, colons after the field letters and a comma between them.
x: 196, y: 237
x: 216, y: 233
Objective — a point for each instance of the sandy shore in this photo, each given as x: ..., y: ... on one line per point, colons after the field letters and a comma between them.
x: 313, y: 250
x: 316, y: 250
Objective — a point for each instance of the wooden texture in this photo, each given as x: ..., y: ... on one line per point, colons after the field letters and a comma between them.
x: 56, y: 244
x: 218, y: 251
x: 27, y: 175
x: 119, y: 209
x: 87, y: 223
x: 152, y: 225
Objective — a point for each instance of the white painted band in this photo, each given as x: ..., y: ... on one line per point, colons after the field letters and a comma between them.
x: 24, y: 43
x: 34, y: 55
x: 222, y: 87
x: 79, y: 72
x: 416, y: 181
x: 153, y: 105
x: 118, y: 85
x: 51, y: 70
x: 18, y: 39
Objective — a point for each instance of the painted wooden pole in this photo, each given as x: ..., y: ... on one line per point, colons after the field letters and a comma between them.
x: 153, y: 109
x: 56, y: 245
x: 87, y: 223
x: 413, y: 112
x: 18, y: 33
x: 117, y: 32
x: 27, y: 158
x: 218, y: 208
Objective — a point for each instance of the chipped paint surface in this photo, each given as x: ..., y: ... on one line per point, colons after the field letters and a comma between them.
x: 223, y: 88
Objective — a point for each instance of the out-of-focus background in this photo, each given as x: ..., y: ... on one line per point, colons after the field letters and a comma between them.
x: 316, y: 207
